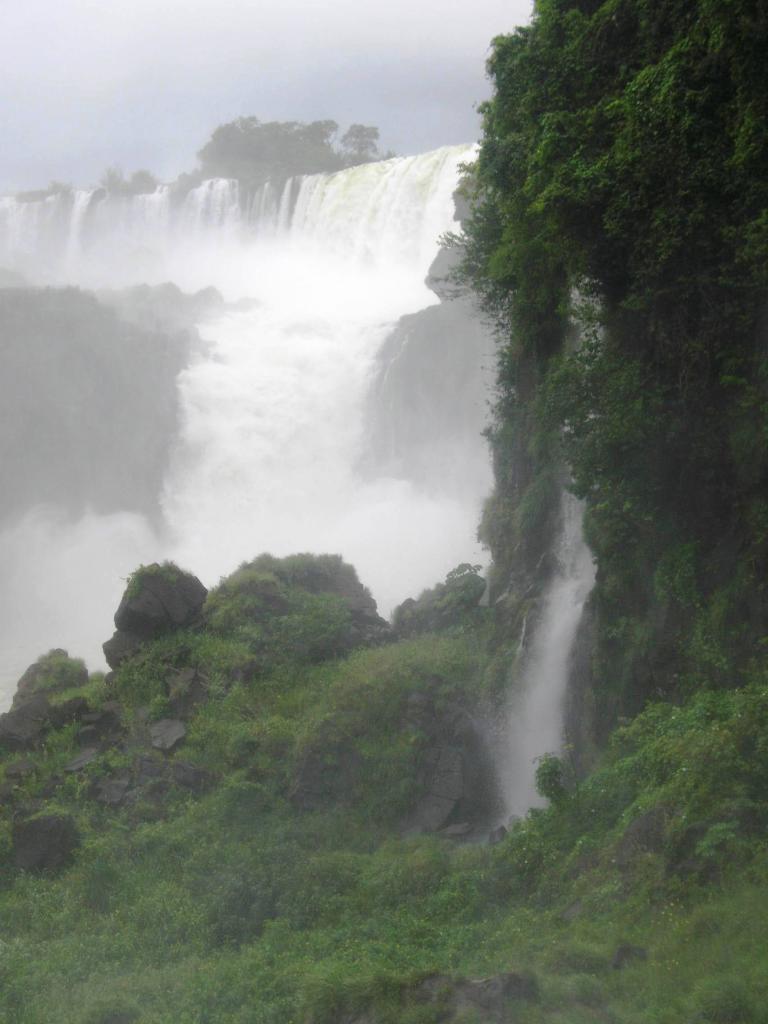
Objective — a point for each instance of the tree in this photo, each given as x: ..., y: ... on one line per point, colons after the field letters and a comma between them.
x: 360, y: 144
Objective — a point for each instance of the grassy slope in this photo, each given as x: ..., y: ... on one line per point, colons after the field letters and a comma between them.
x: 238, y: 907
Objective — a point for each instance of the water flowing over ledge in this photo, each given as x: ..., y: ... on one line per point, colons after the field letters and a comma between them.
x: 273, y: 402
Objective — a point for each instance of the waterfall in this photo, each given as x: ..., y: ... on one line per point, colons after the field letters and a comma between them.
x: 533, y: 719
x: 273, y: 400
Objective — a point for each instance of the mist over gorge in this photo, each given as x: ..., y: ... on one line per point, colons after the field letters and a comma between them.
x: 265, y: 399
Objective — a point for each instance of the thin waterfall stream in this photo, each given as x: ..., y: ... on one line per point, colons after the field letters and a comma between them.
x: 533, y: 720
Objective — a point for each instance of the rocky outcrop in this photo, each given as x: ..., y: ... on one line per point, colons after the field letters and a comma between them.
x: 149, y: 779
x: 456, y: 783
x: 89, y: 401
x: 489, y: 997
x: 426, y: 426
x: 445, y: 999
x: 157, y: 600
x: 45, y: 843
x: 54, y: 672
x: 38, y: 703
x: 167, y: 734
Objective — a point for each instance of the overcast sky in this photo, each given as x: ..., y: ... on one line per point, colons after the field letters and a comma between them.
x: 142, y: 83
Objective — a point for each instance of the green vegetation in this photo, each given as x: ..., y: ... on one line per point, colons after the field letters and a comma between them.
x: 255, y: 151
x: 621, y: 198
x: 284, y: 891
x: 260, y: 866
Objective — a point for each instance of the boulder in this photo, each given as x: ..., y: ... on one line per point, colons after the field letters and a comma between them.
x: 19, y: 770
x: 149, y: 779
x: 488, y: 996
x: 455, y: 777
x: 83, y: 759
x: 120, y: 647
x: 167, y: 734
x: 449, y: 1000
x: 51, y: 673
x: 23, y: 727
x: 112, y: 790
x: 46, y: 843
x: 102, y: 727
x: 157, y: 600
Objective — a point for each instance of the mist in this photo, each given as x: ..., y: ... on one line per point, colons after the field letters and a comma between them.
x: 88, y: 86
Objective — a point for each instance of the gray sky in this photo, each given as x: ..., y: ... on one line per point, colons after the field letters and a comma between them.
x: 142, y: 83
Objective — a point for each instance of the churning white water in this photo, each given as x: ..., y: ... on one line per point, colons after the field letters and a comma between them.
x: 273, y: 403
x: 533, y: 724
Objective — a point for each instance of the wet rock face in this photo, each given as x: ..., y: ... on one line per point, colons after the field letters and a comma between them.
x: 44, y: 844
x: 161, y: 599
x: 492, y: 1000
x: 25, y: 726
x: 456, y: 781
x: 149, y: 779
x: 158, y: 599
x: 51, y: 673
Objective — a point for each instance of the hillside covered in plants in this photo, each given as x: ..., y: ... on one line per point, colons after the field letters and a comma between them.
x: 279, y: 808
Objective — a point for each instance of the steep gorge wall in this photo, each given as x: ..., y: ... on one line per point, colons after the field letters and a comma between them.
x: 643, y: 225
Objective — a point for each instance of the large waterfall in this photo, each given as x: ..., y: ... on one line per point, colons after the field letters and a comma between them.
x: 273, y: 401
x: 387, y: 215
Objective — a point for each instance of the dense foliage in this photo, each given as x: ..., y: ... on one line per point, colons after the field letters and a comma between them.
x: 621, y: 191
x: 639, y: 896
x: 255, y: 151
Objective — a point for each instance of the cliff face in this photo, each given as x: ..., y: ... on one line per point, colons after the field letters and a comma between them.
x: 618, y: 241
x: 88, y: 396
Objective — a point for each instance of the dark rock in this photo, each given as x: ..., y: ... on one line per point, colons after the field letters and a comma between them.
x: 112, y: 790
x: 46, y: 843
x: 120, y: 647
x: 456, y: 780
x: 443, y: 788
x: 456, y: 831
x: 103, y: 728
x: 159, y: 599
x: 7, y: 791
x: 83, y: 759
x: 496, y: 834
x: 25, y: 726
x: 626, y: 953
x: 439, y: 276
x: 186, y: 689
x: 53, y: 672
x: 490, y: 996
x: 147, y: 769
x: 68, y: 711
x: 167, y: 734
x: 189, y: 776
x: 19, y: 769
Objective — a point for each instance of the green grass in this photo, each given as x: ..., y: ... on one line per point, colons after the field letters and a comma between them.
x: 236, y: 907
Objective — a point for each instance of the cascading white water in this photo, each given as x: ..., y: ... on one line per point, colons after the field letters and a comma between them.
x: 533, y: 721
x: 272, y: 404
